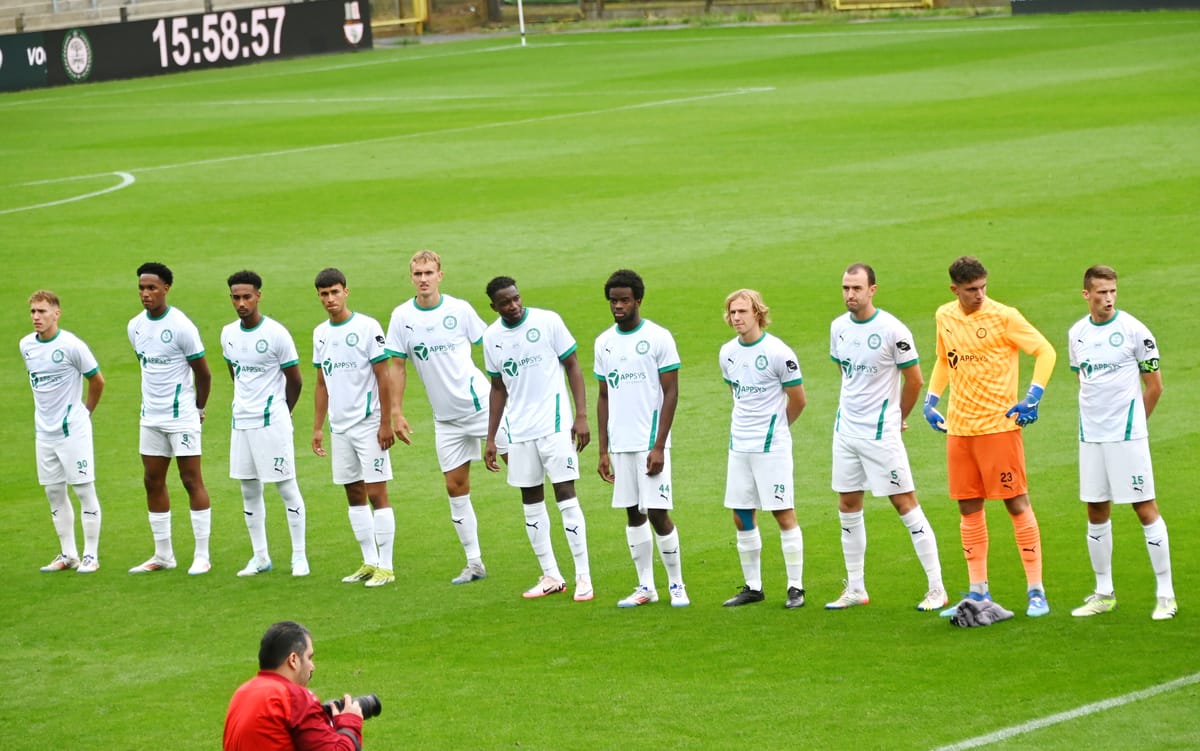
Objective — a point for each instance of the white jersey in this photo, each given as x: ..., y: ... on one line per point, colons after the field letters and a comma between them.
x: 57, y: 367
x: 528, y: 357
x: 166, y: 346
x: 631, y: 363
x: 345, y: 352
x: 438, y: 342
x: 757, y: 374
x: 258, y: 357
x: 871, y: 354
x: 1110, y: 358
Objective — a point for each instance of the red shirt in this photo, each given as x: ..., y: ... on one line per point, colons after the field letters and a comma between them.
x: 270, y: 713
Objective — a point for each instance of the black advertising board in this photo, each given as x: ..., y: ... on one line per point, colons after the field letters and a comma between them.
x: 23, y: 60
x: 190, y: 42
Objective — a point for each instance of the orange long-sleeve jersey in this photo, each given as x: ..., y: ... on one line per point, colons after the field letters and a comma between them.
x: 978, y: 356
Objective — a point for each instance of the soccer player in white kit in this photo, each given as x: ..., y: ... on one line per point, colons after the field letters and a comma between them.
x: 436, y: 331
x: 875, y: 353
x: 1115, y: 358
x: 175, y: 386
x: 637, y: 366
x: 526, y: 352
x: 352, y: 390
x: 764, y: 377
x: 58, y: 362
x: 265, y: 369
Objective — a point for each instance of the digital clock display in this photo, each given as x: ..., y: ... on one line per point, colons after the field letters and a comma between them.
x: 187, y: 41
x: 200, y: 40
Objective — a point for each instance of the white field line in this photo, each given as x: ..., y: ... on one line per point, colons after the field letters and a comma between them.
x: 1072, y: 714
x: 126, y: 180
x: 128, y: 174
x: 366, y: 100
x: 73, y: 94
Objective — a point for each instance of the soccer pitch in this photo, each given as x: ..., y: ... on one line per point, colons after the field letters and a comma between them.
x: 708, y: 160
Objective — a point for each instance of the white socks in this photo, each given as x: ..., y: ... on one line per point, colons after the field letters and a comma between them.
x: 576, y: 531
x: 854, y: 548
x: 201, y: 529
x: 62, y: 513
x: 254, y: 508
x: 537, y: 528
x: 641, y: 548
x: 1100, y: 549
x: 1158, y: 545
x: 462, y: 513
x: 160, y: 530
x: 297, y: 515
x: 792, y: 541
x: 89, y: 509
x: 668, y: 551
x: 749, y: 547
x: 362, y: 523
x: 925, y: 545
x: 385, y: 535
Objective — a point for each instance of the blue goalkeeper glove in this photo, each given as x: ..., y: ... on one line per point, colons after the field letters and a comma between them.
x: 1026, y: 409
x: 932, y: 416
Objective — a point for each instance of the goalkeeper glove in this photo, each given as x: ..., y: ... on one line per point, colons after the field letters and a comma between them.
x: 932, y: 416
x: 1026, y: 409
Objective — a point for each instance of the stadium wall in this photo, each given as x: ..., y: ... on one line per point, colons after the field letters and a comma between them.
x: 216, y: 39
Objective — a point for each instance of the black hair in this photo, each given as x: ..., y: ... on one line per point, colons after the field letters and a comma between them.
x: 280, y: 641
x: 330, y: 277
x: 245, y: 277
x: 499, y: 283
x: 626, y: 278
x: 159, y: 270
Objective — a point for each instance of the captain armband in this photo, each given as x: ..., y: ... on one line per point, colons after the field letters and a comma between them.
x: 1148, y: 366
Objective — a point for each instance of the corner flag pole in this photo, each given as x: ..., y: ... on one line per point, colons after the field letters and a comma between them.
x: 521, y: 20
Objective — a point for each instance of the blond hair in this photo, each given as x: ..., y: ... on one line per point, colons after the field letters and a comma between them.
x: 422, y: 256
x: 44, y: 295
x: 757, y: 306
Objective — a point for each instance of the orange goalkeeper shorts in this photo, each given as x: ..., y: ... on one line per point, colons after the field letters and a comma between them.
x: 986, y: 466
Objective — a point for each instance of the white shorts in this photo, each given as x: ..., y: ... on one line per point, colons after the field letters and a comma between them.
x: 531, y: 462
x: 70, y: 460
x: 460, y: 441
x: 633, y: 487
x: 267, y: 454
x: 1119, y: 471
x: 880, y: 466
x: 357, y: 456
x: 759, y: 481
x: 157, y: 442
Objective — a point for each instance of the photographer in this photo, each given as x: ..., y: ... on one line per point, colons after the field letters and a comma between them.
x: 274, y: 711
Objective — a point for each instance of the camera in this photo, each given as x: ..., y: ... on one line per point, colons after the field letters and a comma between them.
x: 370, y: 706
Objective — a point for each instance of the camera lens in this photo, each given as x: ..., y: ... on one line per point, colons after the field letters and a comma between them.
x: 370, y: 705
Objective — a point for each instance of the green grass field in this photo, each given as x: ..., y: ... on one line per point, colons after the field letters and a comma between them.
x: 767, y: 157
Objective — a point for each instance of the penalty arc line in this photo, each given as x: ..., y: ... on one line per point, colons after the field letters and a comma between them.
x: 126, y: 180
x: 386, y: 139
x: 1072, y: 714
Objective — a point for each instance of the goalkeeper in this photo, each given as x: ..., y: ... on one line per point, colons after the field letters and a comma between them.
x: 977, y: 355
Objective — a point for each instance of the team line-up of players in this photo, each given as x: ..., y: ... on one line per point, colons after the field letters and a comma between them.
x: 521, y: 411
